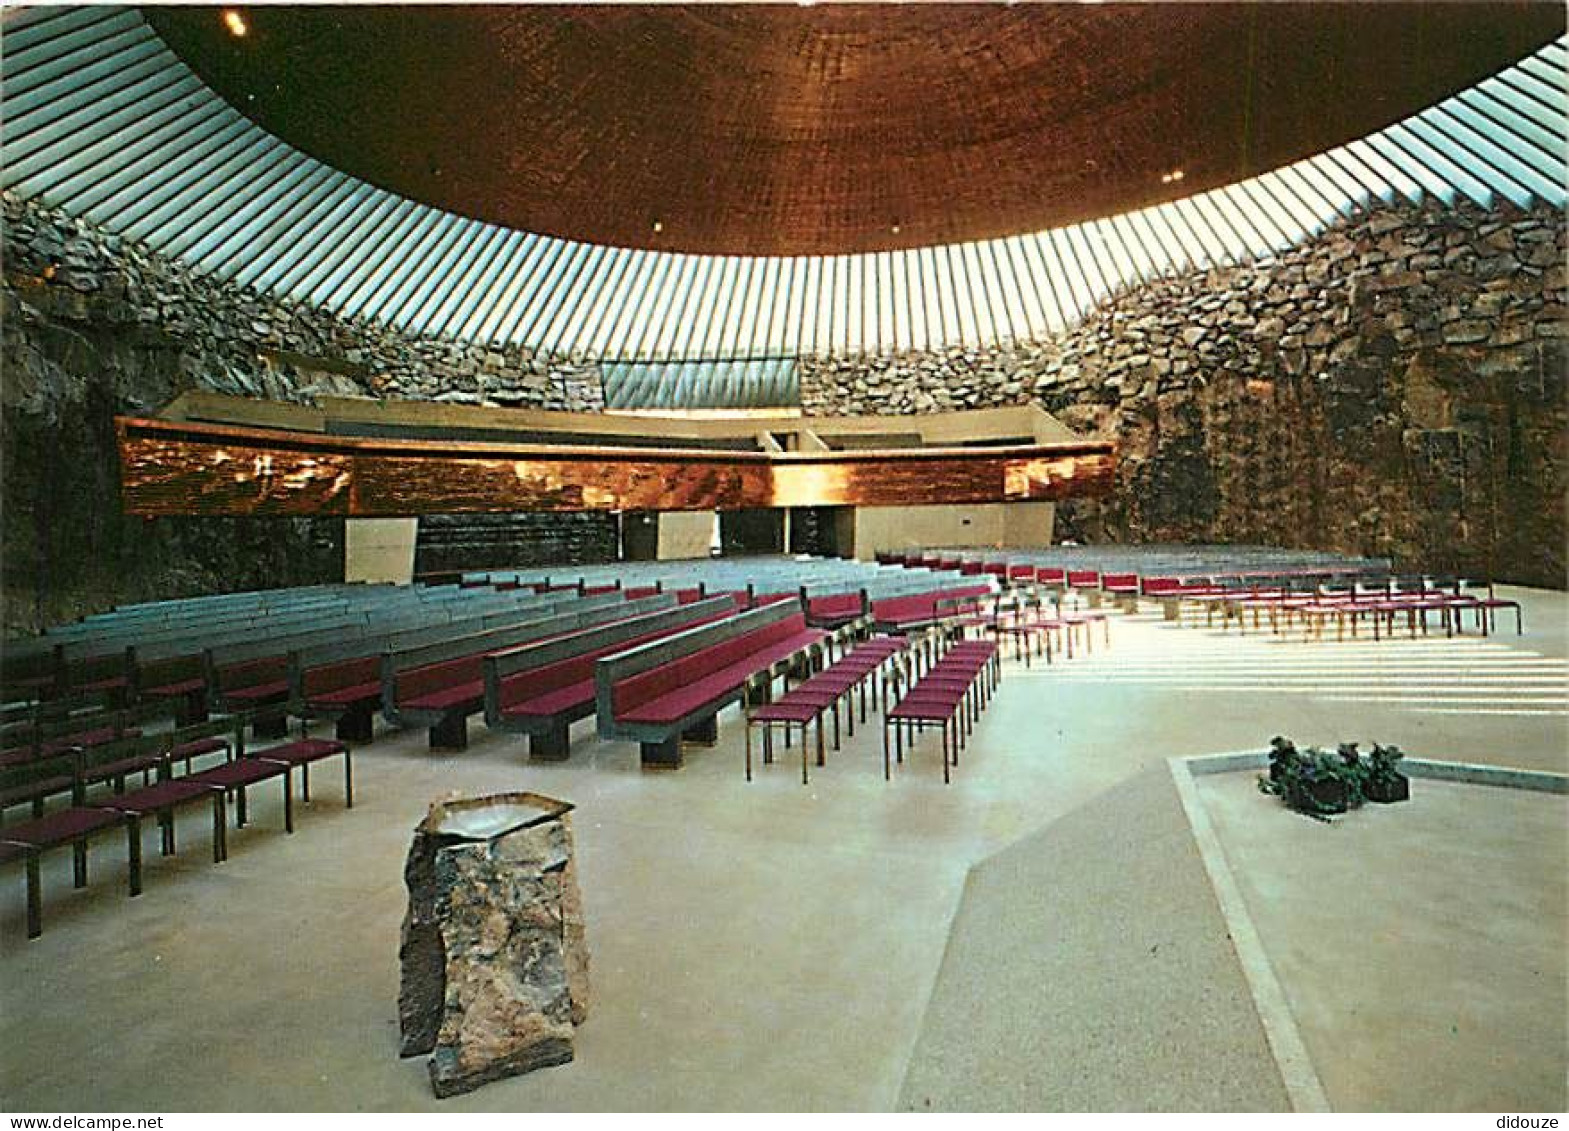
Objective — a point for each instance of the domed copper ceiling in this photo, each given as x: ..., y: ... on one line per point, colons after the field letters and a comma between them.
x: 750, y: 129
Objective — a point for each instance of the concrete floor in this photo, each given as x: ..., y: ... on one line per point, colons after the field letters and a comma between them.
x: 1421, y: 947
x: 759, y: 946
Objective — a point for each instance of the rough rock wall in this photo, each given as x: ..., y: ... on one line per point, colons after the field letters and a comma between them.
x: 92, y: 325
x: 1394, y: 387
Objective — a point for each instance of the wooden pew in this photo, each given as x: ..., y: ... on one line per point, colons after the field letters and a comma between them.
x: 675, y: 687
x: 541, y: 689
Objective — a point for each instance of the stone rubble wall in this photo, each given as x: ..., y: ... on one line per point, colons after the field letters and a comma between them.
x: 92, y: 325
x: 1392, y: 387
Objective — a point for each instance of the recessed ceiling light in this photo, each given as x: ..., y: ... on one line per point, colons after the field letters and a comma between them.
x: 894, y: 228
x: 659, y: 225
x: 234, y: 22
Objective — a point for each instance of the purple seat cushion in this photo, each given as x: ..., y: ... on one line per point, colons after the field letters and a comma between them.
x: 347, y: 696
x: 554, y: 702
x: 786, y: 711
x: 259, y: 691
x: 301, y: 752
x: 170, y: 690
x: 232, y: 775
x: 448, y: 698
x: 198, y: 747
x: 60, y: 828
x: 164, y: 795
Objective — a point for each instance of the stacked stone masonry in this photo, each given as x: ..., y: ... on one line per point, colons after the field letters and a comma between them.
x: 1393, y: 387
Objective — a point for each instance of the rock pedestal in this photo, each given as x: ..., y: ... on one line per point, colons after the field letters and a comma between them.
x: 494, y: 962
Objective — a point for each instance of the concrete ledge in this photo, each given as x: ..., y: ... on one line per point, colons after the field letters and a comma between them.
x: 1475, y: 773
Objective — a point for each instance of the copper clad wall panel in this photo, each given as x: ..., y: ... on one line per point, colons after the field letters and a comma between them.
x: 181, y: 468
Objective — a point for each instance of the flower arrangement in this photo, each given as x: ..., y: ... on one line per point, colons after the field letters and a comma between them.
x: 1321, y: 784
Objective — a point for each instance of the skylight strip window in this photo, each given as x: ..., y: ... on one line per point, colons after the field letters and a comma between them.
x: 437, y: 259
x: 1037, y: 317
x: 267, y: 182
x: 536, y: 290
x: 977, y: 294
x: 1181, y: 247
x: 36, y: 36
x: 1324, y: 189
x: 1321, y: 207
x: 546, y: 302
x: 1014, y: 322
x: 564, y: 333
x: 262, y: 235
x: 367, y: 248
x: 97, y: 77
x: 1391, y: 174
x: 249, y: 218
x: 524, y: 283
x: 81, y: 190
x: 38, y: 52
x: 36, y: 158
x: 647, y: 270
x: 790, y: 335
x: 43, y: 94
x: 1072, y: 291
x: 1361, y: 174
x: 404, y: 250
x: 1522, y: 103
x: 1429, y: 158
x: 715, y: 319
x: 957, y: 326
x: 1038, y: 263
x: 1240, y: 243
x: 1146, y: 264
x: 686, y: 328
x: 890, y: 303
x: 169, y: 225
x: 854, y: 304
x: 1526, y: 140
x: 1513, y: 177
x: 436, y: 314
x: 822, y: 306
x: 653, y: 330
x: 1334, y: 178
x: 1305, y: 220
x: 915, y: 293
x: 484, y: 306
x: 735, y: 310
x: 1548, y: 92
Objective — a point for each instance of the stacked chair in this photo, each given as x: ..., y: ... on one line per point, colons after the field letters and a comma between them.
x: 950, y: 695
x: 863, y: 669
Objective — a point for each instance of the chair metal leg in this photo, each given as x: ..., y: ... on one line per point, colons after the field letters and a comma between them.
x: 35, y: 903
x: 133, y: 853
x: 288, y: 800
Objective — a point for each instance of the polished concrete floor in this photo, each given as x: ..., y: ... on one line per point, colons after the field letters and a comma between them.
x: 1422, y: 947
x: 755, y: 946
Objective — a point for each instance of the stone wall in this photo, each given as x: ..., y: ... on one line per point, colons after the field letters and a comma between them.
x: 1395, y: 386
x: 92, y: 325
